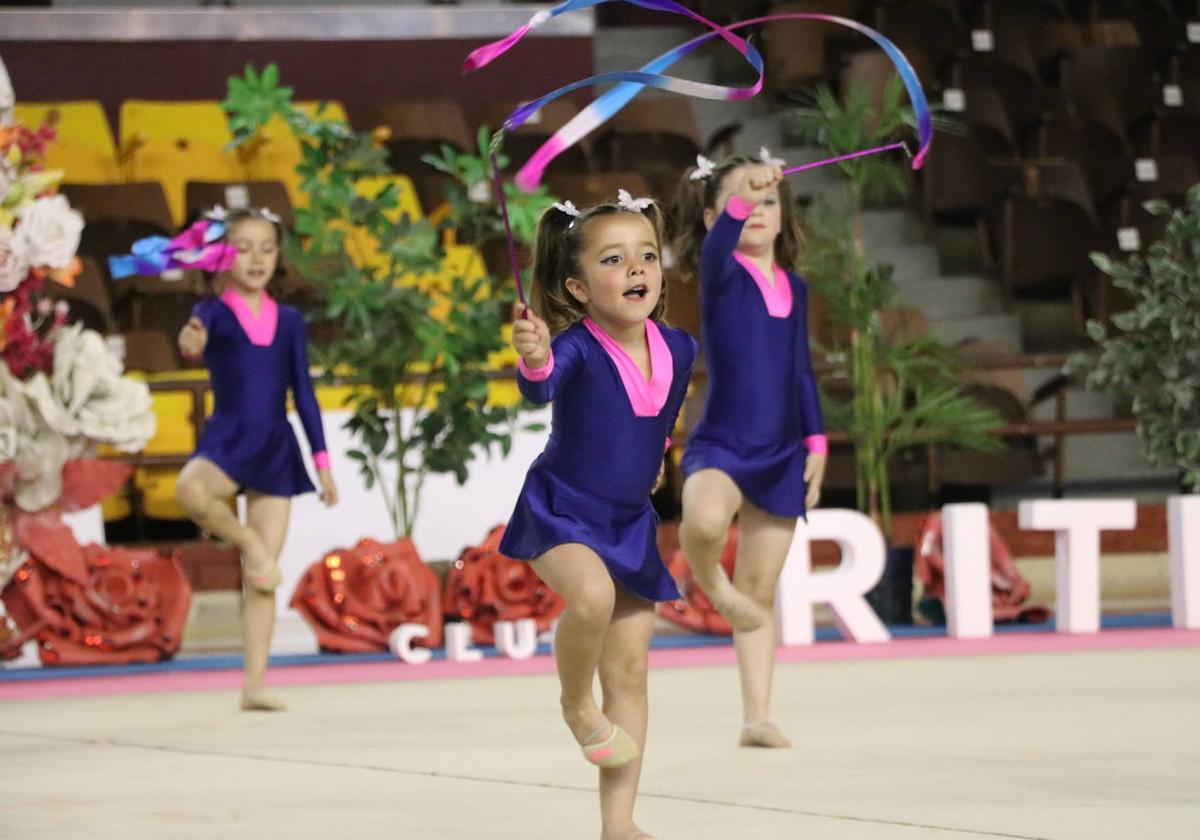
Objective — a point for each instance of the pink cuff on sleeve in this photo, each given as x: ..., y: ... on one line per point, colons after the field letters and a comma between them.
x: 667, y: 448
x: 738, y: 208
x: 537, y: 374
x: 817, y: 444
x: 321, y: 459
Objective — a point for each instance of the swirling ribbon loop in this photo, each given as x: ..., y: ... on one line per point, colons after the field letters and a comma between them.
x: 630, y: 83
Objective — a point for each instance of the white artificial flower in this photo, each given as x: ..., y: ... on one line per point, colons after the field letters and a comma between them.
x: 50, y: 230
x: 104, y: 406
x: 14, y: 264
x: 38, y: 450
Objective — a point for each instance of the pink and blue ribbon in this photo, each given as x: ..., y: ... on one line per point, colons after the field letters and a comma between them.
x: 650, y: 75
x: 630, y: 83
x: 200, y: 247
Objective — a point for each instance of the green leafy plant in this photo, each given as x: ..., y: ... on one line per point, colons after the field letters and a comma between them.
x: 1153, y: 357
x: 901, y: 391
x: 471, y: 200
x: 412, y: 335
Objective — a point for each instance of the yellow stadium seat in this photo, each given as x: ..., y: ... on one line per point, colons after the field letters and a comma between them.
x: 83, y: 147
x: 277, y: 155
x: 198, y: 122
x: 116, y: 507
x: 173, y: 164
x: 157, y: 485
x: 82, y: 164
x: 174, y: 436
x: 360, y: 245
x: 408, y: 203
x: 333, y: 110
x: 82, y: 123
x: 276, y: 159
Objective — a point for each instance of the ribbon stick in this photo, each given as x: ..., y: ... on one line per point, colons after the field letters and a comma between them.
x: 498, y: 185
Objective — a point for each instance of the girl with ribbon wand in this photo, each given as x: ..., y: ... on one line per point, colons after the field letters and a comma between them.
x: 256, y: 351
x: 758, y: 451
x: 773, y: 475
x: 617, y: 378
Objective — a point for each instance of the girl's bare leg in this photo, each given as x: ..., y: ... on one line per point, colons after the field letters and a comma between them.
x: 576, y: 573
x: 763, y: 542
x: 204, y: 491
x: 623, y: 682
x: 267, y: 516
x: 710, y: 499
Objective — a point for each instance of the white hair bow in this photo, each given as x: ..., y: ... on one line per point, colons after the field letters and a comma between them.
x: 570, y: 209
x: 219, y: 214
x: 764, y: 154
x: 704, y: 168
x: 567, y: 207
x: 633, y: 205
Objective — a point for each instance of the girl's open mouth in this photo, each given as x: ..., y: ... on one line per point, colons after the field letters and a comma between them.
x: 638, y: 292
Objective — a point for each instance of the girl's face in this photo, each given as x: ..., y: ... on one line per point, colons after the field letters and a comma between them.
x: 257, y: 245
x: 622, y: 276
x: 764, y: 224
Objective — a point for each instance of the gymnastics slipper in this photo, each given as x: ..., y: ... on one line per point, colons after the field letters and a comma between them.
x: 616, y: 750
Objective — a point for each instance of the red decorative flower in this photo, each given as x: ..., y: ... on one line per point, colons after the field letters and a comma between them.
x: 694, y: 611
x: 354, y: 598
x: 484, y: 587
x: 25, y: 348
x: 131, y: 607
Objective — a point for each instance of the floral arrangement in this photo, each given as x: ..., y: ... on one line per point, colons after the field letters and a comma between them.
x: 61, y: 391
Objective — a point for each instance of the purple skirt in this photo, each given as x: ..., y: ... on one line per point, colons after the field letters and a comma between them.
x: 550, y: 513
x: 771, y: 477
x: 259, y: 456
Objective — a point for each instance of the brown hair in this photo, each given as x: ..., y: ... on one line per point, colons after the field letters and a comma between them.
x: 696, y: 196
x: 560, y: 238
x: 231, y: 220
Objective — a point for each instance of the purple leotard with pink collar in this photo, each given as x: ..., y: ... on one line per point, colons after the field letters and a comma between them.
x: 761, y: 414
x: 592, y: 483
x: 253, y: 360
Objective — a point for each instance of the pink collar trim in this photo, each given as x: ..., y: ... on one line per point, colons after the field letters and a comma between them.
x: 778, y: 298
x: 646, y: 397
x: 260, y: 328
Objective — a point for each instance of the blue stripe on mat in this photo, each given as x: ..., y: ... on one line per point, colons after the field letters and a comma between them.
x: 222, y: 662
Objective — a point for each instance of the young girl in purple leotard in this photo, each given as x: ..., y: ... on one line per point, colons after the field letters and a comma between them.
x: 256, y: 352
x: 758, y: 450
x: 617, y: 379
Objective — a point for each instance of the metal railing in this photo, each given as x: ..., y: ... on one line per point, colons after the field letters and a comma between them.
x: 1059, y: 428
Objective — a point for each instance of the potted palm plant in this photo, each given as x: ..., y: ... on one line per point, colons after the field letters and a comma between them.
x: 899, y: 391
